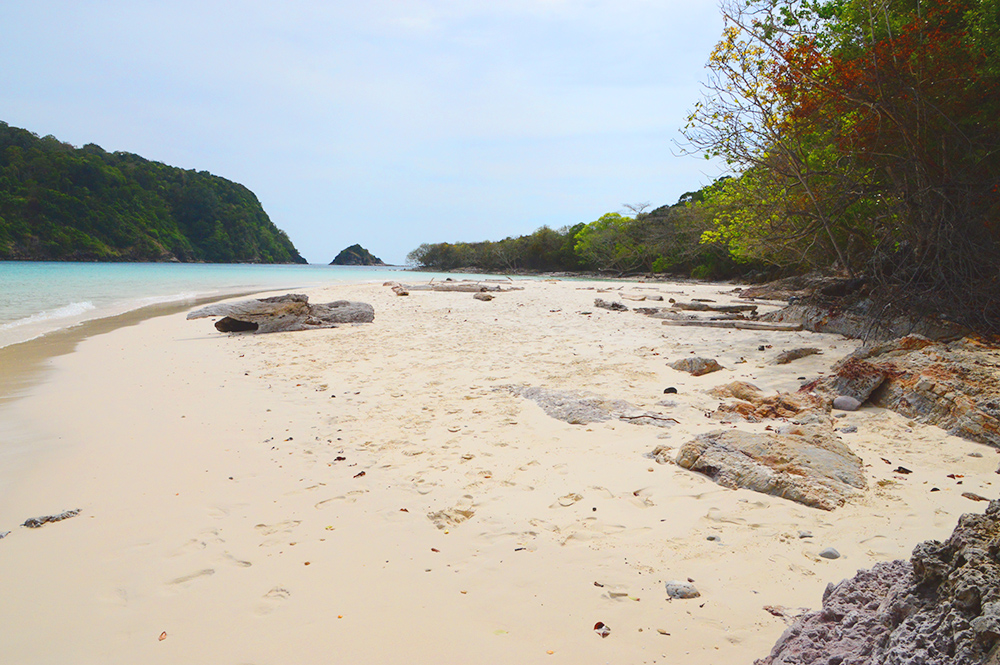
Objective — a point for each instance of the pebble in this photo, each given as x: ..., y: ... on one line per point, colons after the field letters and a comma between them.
x: 670, y: 391
x: 975, y: 454
x: 846, y: 403
x: 681, y: 590
x: 805, y: 534
x: 714, y: 539
x: 830, y: 553
x: 849, y: 429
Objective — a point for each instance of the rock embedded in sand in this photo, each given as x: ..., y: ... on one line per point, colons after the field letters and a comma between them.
x: 35, y: 522
x: 682, y: 590
x: 485, y: 297
x: 285, y: 313
x: 808, y: 465
x: 829, y: 553
x: 940, y: 608
x: 581, y: 408
x: 696, y: 366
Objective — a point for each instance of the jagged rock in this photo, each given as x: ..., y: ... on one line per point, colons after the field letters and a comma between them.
x: 954, y: 385
x: 794, y: 354
x: 696, y: 366
x: 940, y: 608
x: 809, y: 465
x: 35, y: 522
x: 608, y: 304
x: 284, y: 313
x: 754, y: 406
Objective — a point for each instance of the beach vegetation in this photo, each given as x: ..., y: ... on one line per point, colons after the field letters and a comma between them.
x: 863, y: 136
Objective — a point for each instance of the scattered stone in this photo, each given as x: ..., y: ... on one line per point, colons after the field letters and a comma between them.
x: 4, y: 534
x: 902, y: 470
x: 805, y: 534
x: 940, y: 608
x: 682, y: 590
x: 662, y: 632
x: 829, y: 553
x: 975, y: 454
x: 714, y: 539
x: 285, y: 313
x: 35, y: 522
x: 670, y: 391
x: 485, y: 297
x: 794, y: 354
x: 696, y: 366
x: 809, y: 465
x: 974, y: 496
x: 613, y: 306
x: 849, y: 429
x: 846, y: 403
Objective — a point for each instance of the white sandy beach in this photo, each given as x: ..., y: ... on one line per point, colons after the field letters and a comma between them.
x: 463, y: 524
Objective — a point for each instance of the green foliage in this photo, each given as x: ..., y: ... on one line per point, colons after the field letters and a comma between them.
x: 666, y: 240
x: 58, y: 202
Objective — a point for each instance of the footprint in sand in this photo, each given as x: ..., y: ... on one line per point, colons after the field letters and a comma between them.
x: 350, y: 497
x: 567, y: 500
x: 277, y: 527
x: 239, y: 562
x: 181, y: 581
x: 272, y: 600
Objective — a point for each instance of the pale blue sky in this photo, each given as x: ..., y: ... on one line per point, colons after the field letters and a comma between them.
x: 387, y: 123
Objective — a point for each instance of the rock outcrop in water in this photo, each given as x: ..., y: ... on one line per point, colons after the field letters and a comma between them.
x: 940, y: 608
x: 284, y: 313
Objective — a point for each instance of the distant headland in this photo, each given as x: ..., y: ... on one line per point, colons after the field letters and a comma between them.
x: 62, y: 203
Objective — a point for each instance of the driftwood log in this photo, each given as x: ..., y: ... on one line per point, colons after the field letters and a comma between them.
x: 702, y: 307
x: 284, y: 313
x: 739, y: 325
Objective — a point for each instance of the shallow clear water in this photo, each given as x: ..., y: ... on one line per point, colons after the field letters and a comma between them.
x: 38, y: 297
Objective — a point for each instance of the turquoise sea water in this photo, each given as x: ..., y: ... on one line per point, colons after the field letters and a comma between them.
x: 37, y: 298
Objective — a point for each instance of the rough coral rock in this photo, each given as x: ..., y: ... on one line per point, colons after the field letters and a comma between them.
x: 754, y: 406
x: 954, y: 385
x: 809, y: 465
x: 696, y: 366
x: 940, y: 608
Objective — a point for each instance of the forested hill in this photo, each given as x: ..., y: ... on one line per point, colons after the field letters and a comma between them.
x: 58, y: 202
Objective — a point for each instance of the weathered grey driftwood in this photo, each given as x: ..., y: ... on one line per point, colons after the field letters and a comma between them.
x: 460, y: 287
x: 35, y: 522
x: 284, y: 313
x: 702, y: 307
x: 739, y: 325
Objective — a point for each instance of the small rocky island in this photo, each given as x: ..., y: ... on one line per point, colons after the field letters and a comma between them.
x: 356, y: 255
